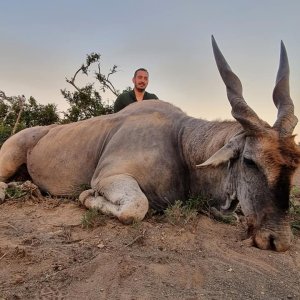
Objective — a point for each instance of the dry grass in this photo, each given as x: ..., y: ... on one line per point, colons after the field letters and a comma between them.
x: 93, y: 218
x: 295, y: 209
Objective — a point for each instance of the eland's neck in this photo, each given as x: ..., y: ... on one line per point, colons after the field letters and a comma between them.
x: 200, y: 140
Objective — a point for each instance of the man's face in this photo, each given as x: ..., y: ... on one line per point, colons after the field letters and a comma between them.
x: 140, y: 80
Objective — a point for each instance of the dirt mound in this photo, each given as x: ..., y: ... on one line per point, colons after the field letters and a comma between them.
x: 46, y: 254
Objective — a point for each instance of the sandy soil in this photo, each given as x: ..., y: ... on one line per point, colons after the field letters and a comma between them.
x: 46, y: 254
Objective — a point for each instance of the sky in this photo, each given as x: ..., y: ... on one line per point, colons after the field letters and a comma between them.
x: 43, y: 42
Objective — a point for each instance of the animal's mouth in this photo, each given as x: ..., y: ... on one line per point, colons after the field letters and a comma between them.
x: 277, y: 237
x: 272, y: 243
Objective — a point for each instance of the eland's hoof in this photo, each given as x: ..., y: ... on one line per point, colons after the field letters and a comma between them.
x: 86, y: 194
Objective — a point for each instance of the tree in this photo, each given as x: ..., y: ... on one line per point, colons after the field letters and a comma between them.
x: 86, y: 102
x: 11, y: 109
x: 35, y: 114
x: 16, y: 113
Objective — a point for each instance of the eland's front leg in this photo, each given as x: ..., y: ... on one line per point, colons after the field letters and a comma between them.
x: 118, y: 195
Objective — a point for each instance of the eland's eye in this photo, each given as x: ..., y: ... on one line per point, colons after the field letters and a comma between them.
x: 249, y: 163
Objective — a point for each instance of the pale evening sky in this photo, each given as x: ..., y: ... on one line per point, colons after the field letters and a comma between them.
x: 42, y: 42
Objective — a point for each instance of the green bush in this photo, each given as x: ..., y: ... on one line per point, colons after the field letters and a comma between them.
x: 5, y: 132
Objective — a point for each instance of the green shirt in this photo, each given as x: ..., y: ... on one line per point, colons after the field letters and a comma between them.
x: 127, y: 98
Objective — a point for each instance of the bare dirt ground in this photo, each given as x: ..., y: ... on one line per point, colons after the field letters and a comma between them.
x: 46, y: 254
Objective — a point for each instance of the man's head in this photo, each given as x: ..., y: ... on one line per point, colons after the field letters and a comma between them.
x: 140, y: 79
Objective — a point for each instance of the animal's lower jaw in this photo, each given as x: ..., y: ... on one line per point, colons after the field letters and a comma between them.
x: 230, y: 206
x: 231, y: 203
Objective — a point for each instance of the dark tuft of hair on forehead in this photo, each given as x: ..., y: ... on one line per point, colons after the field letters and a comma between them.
x: 290, y: 152
x: 282, y: 189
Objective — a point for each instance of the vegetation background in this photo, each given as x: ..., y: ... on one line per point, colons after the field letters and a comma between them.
x: 17, y: 112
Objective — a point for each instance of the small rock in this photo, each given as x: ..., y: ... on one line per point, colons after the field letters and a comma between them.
x: 18, y: 279
x: 101, y: 246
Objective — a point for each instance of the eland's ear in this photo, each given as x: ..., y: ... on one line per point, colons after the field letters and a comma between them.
x: 229, y: 151
x: 222, y: 156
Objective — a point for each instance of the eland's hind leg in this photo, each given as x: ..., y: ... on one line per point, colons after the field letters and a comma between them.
x: 11, y: 158
x: 121, y: 196
x: 13, y: 152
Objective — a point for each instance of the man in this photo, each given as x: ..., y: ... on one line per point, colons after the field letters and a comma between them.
x: 140, y: 81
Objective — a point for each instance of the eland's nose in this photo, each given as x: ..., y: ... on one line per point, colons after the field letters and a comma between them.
x: 269, y: 240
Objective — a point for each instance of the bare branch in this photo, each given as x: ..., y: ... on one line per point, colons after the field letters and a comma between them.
x: 3, y: 98
x: 72, y: 81
x: 105, y: 82
x: 11, y: 100
x: 86, y: 100
x: 22, y: 100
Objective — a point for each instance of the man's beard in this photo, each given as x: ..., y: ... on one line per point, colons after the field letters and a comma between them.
x: 141, y: 89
